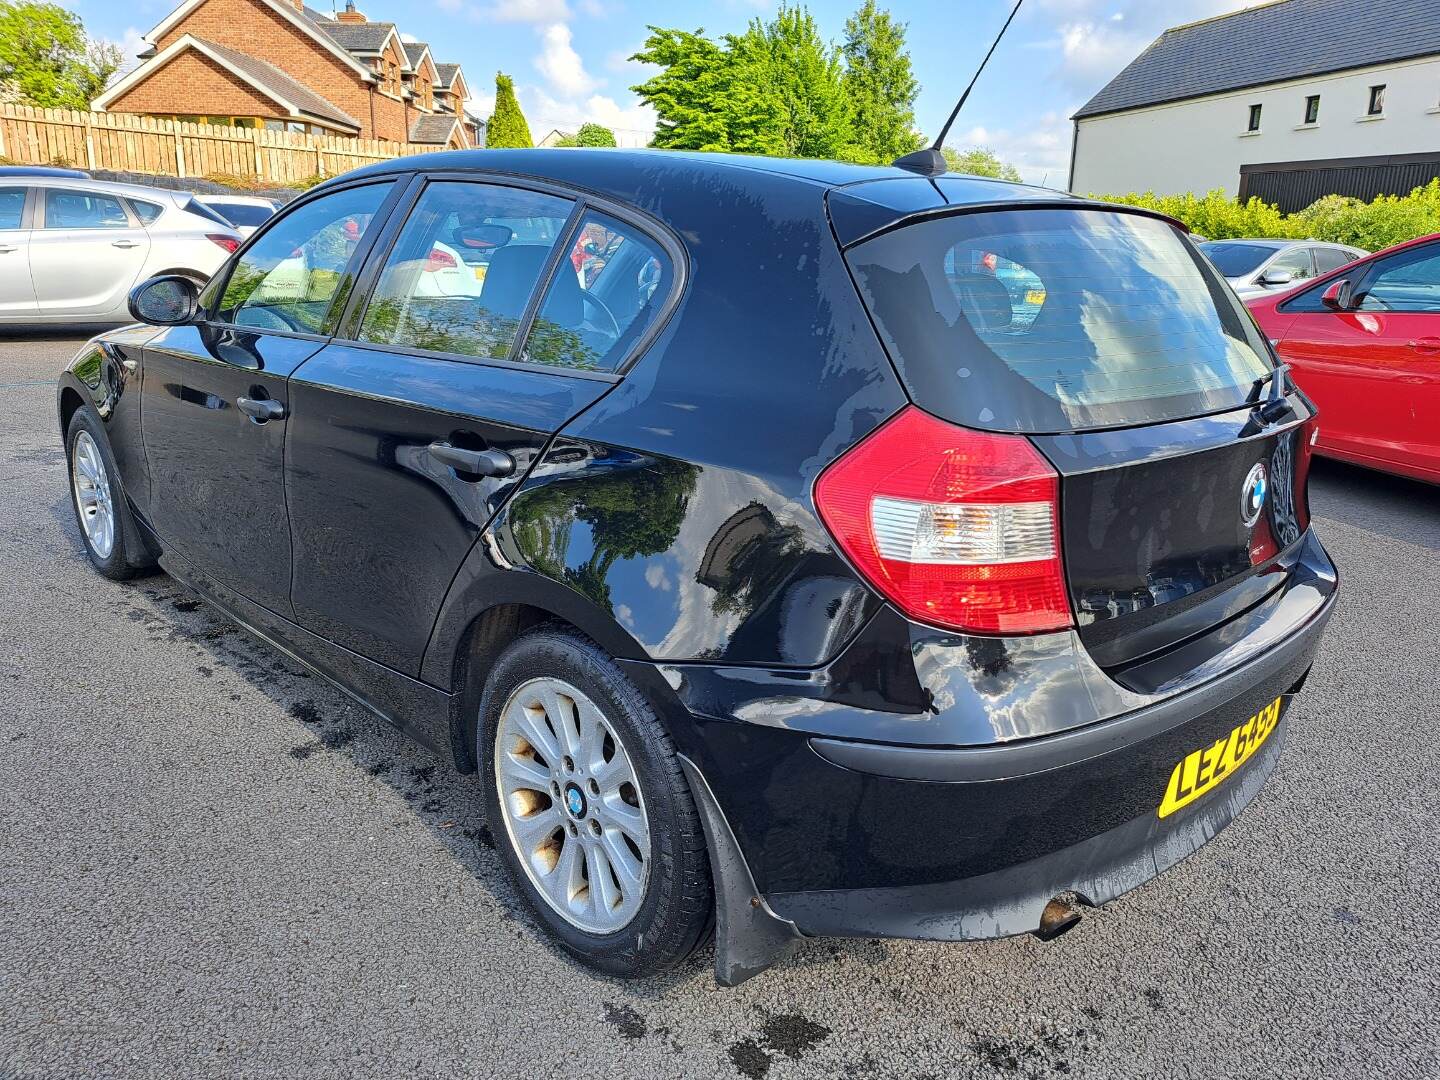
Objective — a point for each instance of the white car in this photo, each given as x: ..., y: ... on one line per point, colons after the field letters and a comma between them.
x: 71, y: 248
x: 246, y: 212
x: 1255, y: 267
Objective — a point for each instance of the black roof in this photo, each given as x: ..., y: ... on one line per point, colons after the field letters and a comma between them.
x: 1287, y: 39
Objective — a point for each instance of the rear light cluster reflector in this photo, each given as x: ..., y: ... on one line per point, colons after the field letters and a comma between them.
x: 229, y: 243
x: 958, y: 528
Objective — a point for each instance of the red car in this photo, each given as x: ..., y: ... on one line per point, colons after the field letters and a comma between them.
x: 1364, y: 344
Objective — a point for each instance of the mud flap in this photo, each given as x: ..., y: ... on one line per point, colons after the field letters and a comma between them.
x: 749, y: 937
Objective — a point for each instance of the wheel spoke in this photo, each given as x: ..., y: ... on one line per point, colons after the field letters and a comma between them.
x: 531, y: 726
x: 602, y: 886
x: 523, y: 773
x: 533, y: 828
x: 561, y: 710
x: 592, y: 737
x: 628, y: 868
x: 624, y: 816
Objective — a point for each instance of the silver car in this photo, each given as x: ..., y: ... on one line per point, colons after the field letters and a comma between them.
x: 1257, y: 266
x: 71, y: 248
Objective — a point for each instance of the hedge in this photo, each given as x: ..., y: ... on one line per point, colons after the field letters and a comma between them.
x: 1389, y: 219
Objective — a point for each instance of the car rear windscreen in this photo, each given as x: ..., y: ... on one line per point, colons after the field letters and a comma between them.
x: 244, y: 214
x: 1047, y: 320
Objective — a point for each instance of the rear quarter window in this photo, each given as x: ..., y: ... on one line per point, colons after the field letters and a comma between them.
x: 1043, y: 320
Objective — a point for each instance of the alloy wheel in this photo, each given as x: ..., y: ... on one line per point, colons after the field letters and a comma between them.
x: 572, y: 805
x: 93, y: 499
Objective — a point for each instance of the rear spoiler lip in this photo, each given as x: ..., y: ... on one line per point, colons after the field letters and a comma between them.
x: 1068, y: 202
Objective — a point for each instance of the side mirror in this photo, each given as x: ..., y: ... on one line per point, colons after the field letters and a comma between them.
x: 167, y: 300
x: 1339, y: 295
x: 1277, y: 277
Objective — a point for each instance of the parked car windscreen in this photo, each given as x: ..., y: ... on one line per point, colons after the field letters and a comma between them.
x: 1045, y: 320
x: 1237, y: 260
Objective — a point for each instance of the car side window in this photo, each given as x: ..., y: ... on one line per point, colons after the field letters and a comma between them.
x: 147, y: 212
x: 290, y: 277
x: 67, y: 209
x: 604, y: 296
x: 1409, y: 281
x: 464, y: 268
x: 1296, y: 262
x: 1332, y: 259
x: 12, y: 207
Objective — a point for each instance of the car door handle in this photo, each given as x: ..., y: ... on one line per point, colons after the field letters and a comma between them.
x: 481, y: 462
x: 125, y: 243
x: 1426, y: 345
x: 6, y: 249
x: 261, y: 410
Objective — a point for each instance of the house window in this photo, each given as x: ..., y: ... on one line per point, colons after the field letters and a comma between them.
x: 1254, y: 118
x: 1312, y: 109
x: 1377, y: 101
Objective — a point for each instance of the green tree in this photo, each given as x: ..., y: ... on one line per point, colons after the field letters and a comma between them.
x: 507, y: 126
x: 47, y: 61
x: 594, y: 135
x: 787, y: 58
x: 881, y: 86
x: 979, y: 161
x: 702, y: 99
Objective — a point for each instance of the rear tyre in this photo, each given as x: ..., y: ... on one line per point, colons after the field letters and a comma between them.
x: 107, y: 527
x: 590, y: 809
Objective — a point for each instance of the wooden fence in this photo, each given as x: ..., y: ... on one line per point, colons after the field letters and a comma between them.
x: 128, y: 143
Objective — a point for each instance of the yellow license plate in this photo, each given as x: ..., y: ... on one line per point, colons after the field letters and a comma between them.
x: 480, y: 273
x: 1035, y: 296
x: 1204, y: 769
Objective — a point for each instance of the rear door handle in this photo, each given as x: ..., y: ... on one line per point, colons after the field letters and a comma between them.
x: 261, y: 410
x: 481, y: 462
x: 1426, y: 345
x: 125, y: 243
x: 6, y: 249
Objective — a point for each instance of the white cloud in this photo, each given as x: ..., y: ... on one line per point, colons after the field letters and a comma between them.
x: 560, y: 63
x: 595, y: 9
x: 450, y: 7
x: 1041, y: 151
x: 536, y: 11
x: 633, y: 123
x: 130, y: 44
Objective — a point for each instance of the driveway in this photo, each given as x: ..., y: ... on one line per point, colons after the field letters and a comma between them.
x: 211, y: 864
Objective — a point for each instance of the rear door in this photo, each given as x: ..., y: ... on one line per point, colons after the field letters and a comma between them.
x: 216, y: 401
x: 86, y: 253
x: 17, y: 291
x: 1118, y: 350
x: 1374, y: 371
x: 406, y: 436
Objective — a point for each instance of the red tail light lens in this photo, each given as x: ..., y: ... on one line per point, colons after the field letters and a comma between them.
x: 958, y: 528
x: 439, y: 260
x: 229, y: 243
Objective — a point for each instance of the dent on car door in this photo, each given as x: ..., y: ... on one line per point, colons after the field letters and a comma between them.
x: 86, y: 252
x: 17, y: 291
x: 406, y: 438
x: 216, y: 401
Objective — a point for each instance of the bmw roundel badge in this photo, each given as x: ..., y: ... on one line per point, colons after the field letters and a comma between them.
x: 1252, y: 495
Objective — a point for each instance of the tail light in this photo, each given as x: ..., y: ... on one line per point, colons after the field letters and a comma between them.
x: 958, y: 528
x: 229, y: 243
x: 439, y: 260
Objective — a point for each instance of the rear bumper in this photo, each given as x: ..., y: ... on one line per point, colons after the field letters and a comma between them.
x: 842, y: 837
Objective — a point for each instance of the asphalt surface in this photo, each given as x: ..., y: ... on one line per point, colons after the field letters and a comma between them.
x: 212, y: 865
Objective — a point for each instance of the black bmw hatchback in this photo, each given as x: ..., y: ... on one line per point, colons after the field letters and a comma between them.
x: 794, y: 548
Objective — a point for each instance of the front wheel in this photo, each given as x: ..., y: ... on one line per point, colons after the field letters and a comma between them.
x: 107, y: 528
x: 591, y: 811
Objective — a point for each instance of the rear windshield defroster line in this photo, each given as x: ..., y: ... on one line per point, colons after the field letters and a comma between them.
x: 1050, y: 320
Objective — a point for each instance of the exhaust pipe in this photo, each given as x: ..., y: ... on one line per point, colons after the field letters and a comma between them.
x: 1058, y: 917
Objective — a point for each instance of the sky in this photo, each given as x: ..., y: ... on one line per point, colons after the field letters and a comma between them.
x: 570, y: 58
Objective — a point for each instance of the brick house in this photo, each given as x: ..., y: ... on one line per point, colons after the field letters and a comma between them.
x: 278, y: 64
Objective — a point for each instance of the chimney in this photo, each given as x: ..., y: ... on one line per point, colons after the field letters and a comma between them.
x: 350, y: 15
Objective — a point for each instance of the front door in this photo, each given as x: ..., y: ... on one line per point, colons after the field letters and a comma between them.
x: 17, y: 293
x: 216, y: 398
x: 86, y: 253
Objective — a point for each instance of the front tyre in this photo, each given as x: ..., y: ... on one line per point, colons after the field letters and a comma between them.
x: 107, y: 528
x: 591, y: 812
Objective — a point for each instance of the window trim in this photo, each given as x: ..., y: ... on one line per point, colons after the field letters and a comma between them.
x: 27, y: 206
x: 1370, y: 109
x: 221, y: 281
x: 1252, y: 123
x: 348, y: 327
x: 1418, y: 253
x: 1312, y: 106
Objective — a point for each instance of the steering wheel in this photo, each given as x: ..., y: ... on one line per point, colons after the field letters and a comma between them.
x: 271, y: 317
x: 599, y: 305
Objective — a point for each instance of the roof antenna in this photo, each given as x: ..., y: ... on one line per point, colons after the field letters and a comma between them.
x: 930, y: 161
